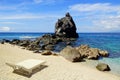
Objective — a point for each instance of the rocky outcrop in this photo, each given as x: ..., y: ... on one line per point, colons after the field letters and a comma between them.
x: 24, y: 43
x: 87, y: 52
x: 71, y: 54
x: 103, y: 67
x: 4, y: 41
x: 104, y: 53
x: 46, y: 42
x: 15, y: 41
x: 83, y: 49
x: 91, y: 53
x: 65, y: 33
x: 65, y: 27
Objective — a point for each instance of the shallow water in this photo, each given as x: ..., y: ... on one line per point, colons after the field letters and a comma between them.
x: 105, y: 41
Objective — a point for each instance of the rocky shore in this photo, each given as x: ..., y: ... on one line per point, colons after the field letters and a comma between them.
x: 65, y: 34
x: 61, y: 64
x: 57, y: 68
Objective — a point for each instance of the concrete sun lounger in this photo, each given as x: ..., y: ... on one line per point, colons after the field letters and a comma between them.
x: 27, y: 67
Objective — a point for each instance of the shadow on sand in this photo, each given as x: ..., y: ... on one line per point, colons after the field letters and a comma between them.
x: 26, y: 74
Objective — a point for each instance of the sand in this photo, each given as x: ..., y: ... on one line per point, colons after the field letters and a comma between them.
x: 57, y: 68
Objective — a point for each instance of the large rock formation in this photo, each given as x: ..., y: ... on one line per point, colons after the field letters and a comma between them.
x: 65, y: 27
x: 65, y: 34
x: 91, y: 53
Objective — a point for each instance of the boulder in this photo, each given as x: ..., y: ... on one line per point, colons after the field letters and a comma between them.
x: 93, y: 53
x: 104, y: 53
x: 103, y: 67
x: 49, y: 47
x: 33, y: 47
x: 36, y: 51
x: 15, y: 41
x: 47, y: 39
x: 46, y: 52
x: 84, y: 50
x: 65, y: 27
x: 55, y: 54
x: 24, y: 43
x: 47, y: 42
x: 2, y: 42
x: 71, y: 54
x: 87, y: 52
x: 6, y: 41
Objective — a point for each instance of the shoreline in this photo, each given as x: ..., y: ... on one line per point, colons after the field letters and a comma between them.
x: 93, y: 63
x: 58, y: 67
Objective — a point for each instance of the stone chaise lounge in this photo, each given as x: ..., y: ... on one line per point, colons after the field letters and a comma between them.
x: 27, y: 67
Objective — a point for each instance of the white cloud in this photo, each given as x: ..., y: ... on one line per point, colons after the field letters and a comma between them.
x: 16, y: 7
x: 21, y: 17
x: 9, y: 23
x: 102, y: 16
x: 46, y: 2
x: 29, y: 16
x: 111, y: 23
x: 106, y: 7
x: 25, y: 4
x: 4, y: 28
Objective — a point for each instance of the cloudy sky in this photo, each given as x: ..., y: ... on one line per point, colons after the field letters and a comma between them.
x: 41, y: 15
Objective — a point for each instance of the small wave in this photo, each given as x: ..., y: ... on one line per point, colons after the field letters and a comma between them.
x: 26, y: 37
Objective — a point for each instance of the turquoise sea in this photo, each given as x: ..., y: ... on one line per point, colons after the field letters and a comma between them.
x: 105, y: 41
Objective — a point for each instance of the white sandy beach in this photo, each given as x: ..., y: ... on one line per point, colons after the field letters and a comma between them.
x: 57, y: 67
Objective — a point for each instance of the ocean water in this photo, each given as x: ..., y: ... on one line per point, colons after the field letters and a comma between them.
x: 104, y: 41
x: 16, y: 35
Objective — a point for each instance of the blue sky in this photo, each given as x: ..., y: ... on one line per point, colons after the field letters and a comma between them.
x: 41, y: 15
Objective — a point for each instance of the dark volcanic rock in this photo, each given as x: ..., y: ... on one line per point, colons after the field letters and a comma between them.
x: 49, y: 47
x: 6, y: 41
x: 65, y: 27
x: 103, y: 67
x: 24, y: 43
x: 71, y: 54
x: 2, y: 42
x: 15, y: 41
x: 33, y: 47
